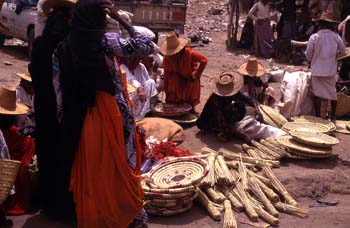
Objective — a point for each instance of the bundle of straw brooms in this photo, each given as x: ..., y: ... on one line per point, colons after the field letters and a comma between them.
x: 236, y: 182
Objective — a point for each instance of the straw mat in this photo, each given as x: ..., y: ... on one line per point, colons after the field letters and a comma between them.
x: 314, y: 119
x: 304, y: 150
x: 305, y: 126
x: 177, y: 173
x: 314, y: 139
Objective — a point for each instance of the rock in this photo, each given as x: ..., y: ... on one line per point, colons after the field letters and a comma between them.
x: 215, y: 11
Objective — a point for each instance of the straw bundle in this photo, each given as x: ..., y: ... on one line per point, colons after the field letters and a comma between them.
x: 250, y: 151
x: 277, y: 144
x: 215, y: 195
x: 268, y: 191
x: 213, y: 210
x: 293, y: 210
x: 273, y: 147
x: 259, y: 177
x: 207, y: 150
x: 225, y: 174
x: 234, y: 201
x: 266, y: 150
x: 209, y: 180
x: 278, y: 186
x: 229, y: 217
x: 256, y: 190
x: 262, y: 213
x: 243, y: 175
x: 235, y: 165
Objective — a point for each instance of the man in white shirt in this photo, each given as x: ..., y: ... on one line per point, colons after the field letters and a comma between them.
x: 321, y: 51
x: 146, y: 90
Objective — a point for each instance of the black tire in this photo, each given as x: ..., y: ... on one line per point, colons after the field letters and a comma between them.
x: 30, y: 41
x: 2, y: 40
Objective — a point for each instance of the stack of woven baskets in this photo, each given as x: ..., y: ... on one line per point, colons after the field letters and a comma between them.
x: 171, y: 186
x: 308, y: 137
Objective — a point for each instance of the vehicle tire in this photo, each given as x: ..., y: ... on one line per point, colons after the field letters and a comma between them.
x: 2, y: 40
x: 30, y: 41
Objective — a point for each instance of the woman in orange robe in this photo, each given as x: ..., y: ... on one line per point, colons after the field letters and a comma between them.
x: 183, y: 68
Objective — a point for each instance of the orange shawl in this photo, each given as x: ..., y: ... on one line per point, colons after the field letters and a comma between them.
x: 107, y: 192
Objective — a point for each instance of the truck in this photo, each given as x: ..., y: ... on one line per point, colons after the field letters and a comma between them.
x: 157, y: 15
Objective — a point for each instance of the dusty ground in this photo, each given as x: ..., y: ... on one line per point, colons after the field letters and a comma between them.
x: 328, y: 179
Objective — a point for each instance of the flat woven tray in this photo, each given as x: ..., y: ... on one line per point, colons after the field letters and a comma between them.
x: 305, y: 126
x: 177, y: 173
x: 168, y: 211
x: 304, y: 150
x: 267, y: 119
x: 169, y: 110
x: 342, y: 126
x: 187, y: 118
x: 301, y: 155
x: 314, y: 119
x: 276, y: 117
x: 314, y: 139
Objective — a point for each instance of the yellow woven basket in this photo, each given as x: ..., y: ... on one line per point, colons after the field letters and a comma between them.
x: 8, y: 174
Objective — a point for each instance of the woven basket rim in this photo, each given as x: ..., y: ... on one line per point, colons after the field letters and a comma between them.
x: 314, y: 127
x: 182, y: 109
x: 167, y: 211
x: 305, y: 150
x: 314, y: 139
x: 342, y: 126
x: 314, y: 119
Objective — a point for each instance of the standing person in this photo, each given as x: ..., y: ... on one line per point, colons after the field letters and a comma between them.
x: 56, y: 201
x: 289, y: 17
x: 260, y: 13
x: 146, y: 89
x: 100, y: 156
x: 183, y: 68
x: 321, y: 52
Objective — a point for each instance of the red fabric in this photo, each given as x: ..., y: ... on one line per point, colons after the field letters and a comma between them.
x: 179, y: 70
x: 21, y: 149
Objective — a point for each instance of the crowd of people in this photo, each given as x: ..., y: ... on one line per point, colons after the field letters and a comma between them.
x: 88, y: 85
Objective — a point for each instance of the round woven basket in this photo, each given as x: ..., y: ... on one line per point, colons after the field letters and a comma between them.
x: 342, y: 126
x: 305, y: 126
x: 168, y: 211
x: 301, y: 155
x: 266, y: 118
x: 8, y: 174
x: 275, y: 116
x: 314, y: 119
x: 155, y: 195
x: 314, y: 139
x: 168, y: 191
x: 170, y: 110
x: 343, y: 105
x: 304, y: 150
x: 177, y: 173
x: 171, y: 203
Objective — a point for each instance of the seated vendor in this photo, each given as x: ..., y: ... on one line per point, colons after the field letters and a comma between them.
x: 20, y: 148
x: 146, y: 90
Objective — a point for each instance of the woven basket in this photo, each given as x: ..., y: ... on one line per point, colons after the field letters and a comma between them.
x: 267, y: 119
x: 187, y: 118
x: 177, y: 173
x: 168, y: 211
x: 8, y: 174
x: 304, y: 150
x: 305, y: 126
x: 276, y: 117
x: 308, y: 156
x: 171, y: 203
x: 173, y: 196
x: 343, y: 105
x: 314, y: 119
x: 348, y: 126
x: 314, y: 139
x: 168, y: 191
x: 169, y: 110
x: 342, y: 126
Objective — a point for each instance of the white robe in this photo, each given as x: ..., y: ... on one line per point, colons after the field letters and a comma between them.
x: 139, y: 77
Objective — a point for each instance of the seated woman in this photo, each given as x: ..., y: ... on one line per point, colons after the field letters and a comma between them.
x: 20, y: 148
x: 181, y: 78
x: 137, y: 75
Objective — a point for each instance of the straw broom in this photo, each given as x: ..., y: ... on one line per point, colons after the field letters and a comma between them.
x: 259, y: 177
x: 268, y: 191
x: 256, y: 190
x: 227, y: 178
x: 266, y: 150
x: 215, y: 195
x: 209, y: 180
x: 293, y: 210
x: 249, y: 150
x: 234, y: 201
x: 273, y: 147
x: 262, y: 213
x: 213, y: 211
x: 277, y: 144
x: 235, y: 164
x: 242, y: 170
x: 278, y: 186
x: 229, y: 217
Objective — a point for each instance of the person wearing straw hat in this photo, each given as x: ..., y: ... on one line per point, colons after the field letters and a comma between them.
x: 181, y: 78
x: 25, y: 95
x: 20, y: 147
x: 321, y: 52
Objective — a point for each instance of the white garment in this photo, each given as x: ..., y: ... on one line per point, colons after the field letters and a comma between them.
x: 322, y: 50
x: 343, y: 26
x: 24, y: 98
x: 259, y: 11
x: 40, y: 19
x: 139, y: 77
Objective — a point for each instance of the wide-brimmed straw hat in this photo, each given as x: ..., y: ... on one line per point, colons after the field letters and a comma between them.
x: 252, y: 68
x: 226, y: 84
x: 344, y: 56
x: 8, y: 103
x: 327, y: 17
x: 25, y: 76
x: 50, y: 4
x: 172, y: 44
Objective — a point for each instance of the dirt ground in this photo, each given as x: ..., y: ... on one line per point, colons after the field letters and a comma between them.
x: 307, y: 180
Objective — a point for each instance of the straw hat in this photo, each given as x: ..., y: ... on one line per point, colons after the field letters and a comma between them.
x: 327, y: 17
x: 173, y: 44
x: 344, y: 56
x: 252, y: 68
x: 226, y: 84
x: 8, y: 104
x: 50, y: 4
x: 25, y: 76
